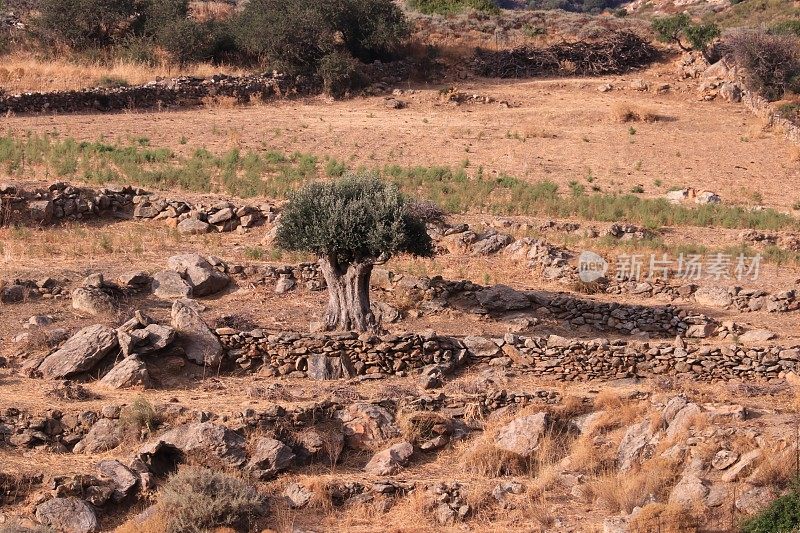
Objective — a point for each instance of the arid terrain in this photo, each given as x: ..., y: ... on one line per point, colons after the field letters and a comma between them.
x: 154, y: 337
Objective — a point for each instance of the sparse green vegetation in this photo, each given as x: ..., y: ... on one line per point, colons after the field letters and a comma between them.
x: 452, y: 7
x: 678, y: 29
x: 782, y: 515
x: 274, y: 174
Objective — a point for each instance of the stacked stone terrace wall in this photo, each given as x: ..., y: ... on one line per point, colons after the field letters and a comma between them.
x: 162, y: 94
x: 348, y: 355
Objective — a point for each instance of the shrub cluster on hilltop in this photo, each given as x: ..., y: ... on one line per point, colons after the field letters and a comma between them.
x: 322, y: 38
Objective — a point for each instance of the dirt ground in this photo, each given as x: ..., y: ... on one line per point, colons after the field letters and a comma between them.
x: 561, y: 130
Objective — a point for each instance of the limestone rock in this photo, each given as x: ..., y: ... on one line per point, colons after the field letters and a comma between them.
x: 198, y: 341
x: 80, y: 353
x: 199, y: 273
x: 713, y: 297
x: 92, y: 301
x: 481, y: 346
x: 391, y: 460
x: 270, y: 456
x: 169, y: 285
x: 124, y: 480
x: 502, y: 298
x: 105, y: 435
x: 205, y: 439
x: 193, y: 226
x: 521, y: 436
x: 67, y: 515
x: 364, y: 424
x: 130, y: 372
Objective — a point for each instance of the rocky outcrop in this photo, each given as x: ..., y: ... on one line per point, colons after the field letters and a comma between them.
x: 69, y: 515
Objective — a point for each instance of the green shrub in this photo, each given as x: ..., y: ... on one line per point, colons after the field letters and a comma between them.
x: 339, y: 73
x: 451, y: 7
x: 786, y: 27
x: 196, y: 500
x: 138, y: 418
x: 112, y: 81
x: 674, y: 28
x: 85, y: 23
x: 294, y: 37
x: 782, y: 515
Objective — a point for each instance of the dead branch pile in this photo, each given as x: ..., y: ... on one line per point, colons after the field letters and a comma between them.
x: 619, y: 53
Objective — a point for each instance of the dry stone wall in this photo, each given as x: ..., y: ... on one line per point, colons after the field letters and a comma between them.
x: 160, y: 94
x: 345, y: 356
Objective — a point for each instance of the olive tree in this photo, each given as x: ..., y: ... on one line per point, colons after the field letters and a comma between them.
x: 351, y: 225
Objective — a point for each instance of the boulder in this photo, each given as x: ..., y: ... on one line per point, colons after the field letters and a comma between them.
x: 718, y: 297
x: 193, y: 226
x: 169, y: 285
x: 80, y: 353
x: 743, y: 467
x: 481, y: 346
x: 130, y: 372
x: 391, y: 460
x: 689, y: 492
x: 135, y: 279
x: 707, y: 197
x: 723, y: 459
x: 13, y: 294
x: 203, y: 440
x: 522, y: 435
x: 321, y: 367
x: 92, y: 301
x: 284, y: 285
x: 198, y: 341
x: 634, y: 445
x: 297, y: 496
x: 199, y: 273
x: 757, y: 335
x: 365, y: 424
x: 41, y: 211
x: 67, y: 515
x: 502, y: 298
x: 676, y: 197
x: 120, y: 475
x: 105, y: 435
x: 269, y: 457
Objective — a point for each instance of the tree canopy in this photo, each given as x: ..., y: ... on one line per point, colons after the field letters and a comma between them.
x: 353, y: 219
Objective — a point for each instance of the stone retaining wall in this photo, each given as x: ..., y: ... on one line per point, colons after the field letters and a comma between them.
x: 333, y: 357
x: 61, y: 201
x: 161, y: 94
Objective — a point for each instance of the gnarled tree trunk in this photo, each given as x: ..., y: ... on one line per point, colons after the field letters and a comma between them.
x: 348, y: 295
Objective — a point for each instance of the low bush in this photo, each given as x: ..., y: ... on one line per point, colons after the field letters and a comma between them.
x: 771, y: 63
x: 576, y: 6
x: 782, y: 514
x: 786, y: 27
x: 197, y: 500
x: 451, y: 7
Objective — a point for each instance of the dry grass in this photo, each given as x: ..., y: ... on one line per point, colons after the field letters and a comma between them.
x: 778, y: 467
x: 155, y: 523
x: 624, y: 491
x: 21, y: 73
x: 624, y: 112
x: 794, y: 154
x: 665, y: 518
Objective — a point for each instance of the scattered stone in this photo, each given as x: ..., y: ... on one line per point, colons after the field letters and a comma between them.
x: 193, y: 226
x: 723, y: 459
x: 199, y: 273
x: 92, y: 301
x: 105, y: 435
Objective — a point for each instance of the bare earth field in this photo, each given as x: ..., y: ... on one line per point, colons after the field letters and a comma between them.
x: 634, y: 450
x: 561, y: 130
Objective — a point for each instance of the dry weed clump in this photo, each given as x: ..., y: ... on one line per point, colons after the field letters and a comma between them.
x: 778, y: 468
x: 139, y: 419
x: 624, y: 112
x: 665, y: 518
x: 199, y: 499
x: 618, y: 491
